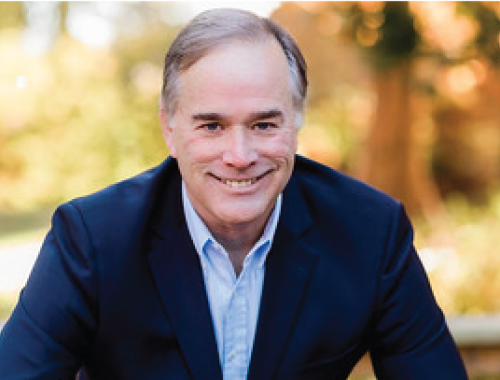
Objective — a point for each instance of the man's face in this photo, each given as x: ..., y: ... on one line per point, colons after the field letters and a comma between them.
x: 234, y: 133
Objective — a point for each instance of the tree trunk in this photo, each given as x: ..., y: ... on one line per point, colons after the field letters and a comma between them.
x: 391, y: 158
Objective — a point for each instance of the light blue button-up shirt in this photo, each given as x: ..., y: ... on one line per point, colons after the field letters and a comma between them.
x: 234, y: 301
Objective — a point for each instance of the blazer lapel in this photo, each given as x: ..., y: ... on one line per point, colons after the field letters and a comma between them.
x: 178, y: 277
x: 289, y: 267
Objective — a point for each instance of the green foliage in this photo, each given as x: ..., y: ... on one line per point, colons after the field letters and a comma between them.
x: 388, y: 34
x: 330, y: 135
x: 11, y: 14
x: 85, y: 118
x: 398, y: 35
x: 486, y: 40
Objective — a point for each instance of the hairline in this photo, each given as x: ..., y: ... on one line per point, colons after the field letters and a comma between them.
x: 171, y: 106
x: 192, y: 44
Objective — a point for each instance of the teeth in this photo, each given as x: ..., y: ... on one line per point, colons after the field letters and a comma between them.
x: 238, y: 184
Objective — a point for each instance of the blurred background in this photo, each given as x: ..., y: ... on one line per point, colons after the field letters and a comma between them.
x: 403, y: 95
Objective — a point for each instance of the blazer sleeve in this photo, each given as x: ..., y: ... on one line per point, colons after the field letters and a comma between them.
x: 411, y: 338
x: 54, y: 321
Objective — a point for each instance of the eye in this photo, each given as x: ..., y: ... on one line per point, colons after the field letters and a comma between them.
x: 264, y: 126
x: 212, y: 127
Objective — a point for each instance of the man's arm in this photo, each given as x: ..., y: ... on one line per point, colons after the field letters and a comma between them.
x: 411, y: 339
x: 53, y: 324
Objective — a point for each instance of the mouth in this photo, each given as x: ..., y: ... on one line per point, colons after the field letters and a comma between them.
x: 240, y: 183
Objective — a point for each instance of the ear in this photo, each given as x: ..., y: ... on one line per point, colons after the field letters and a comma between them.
x: 167, y: 130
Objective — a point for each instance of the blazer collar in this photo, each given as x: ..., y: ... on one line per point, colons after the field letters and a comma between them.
x: 289, y: 268
x: 178, y: 278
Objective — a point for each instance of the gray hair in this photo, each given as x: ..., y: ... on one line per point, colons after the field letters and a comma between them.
x: 218, y: 26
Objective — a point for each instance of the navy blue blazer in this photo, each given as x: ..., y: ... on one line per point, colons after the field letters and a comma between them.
x: 118, y: 290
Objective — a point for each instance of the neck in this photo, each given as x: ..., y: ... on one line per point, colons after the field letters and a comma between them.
x: 238, y: 241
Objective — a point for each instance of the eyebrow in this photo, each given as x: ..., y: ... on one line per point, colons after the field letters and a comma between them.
x: 208, y: 116
x: 267, y: 114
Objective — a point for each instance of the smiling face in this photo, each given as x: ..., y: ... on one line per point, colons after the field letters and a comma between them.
x: 233, y: 133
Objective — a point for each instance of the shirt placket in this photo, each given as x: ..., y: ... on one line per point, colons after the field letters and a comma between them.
x: 235, y: 364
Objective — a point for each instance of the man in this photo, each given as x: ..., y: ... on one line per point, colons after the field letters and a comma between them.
x: 234, y: 258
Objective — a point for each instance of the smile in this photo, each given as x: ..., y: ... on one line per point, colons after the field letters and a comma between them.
x: 240, y: 183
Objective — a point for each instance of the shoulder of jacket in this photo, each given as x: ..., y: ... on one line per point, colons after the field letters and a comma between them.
x: 329, y: 185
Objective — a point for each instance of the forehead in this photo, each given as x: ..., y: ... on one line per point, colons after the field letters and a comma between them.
x: 238, y: 69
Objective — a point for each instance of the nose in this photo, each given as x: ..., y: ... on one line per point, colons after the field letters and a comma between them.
x: 239, y: 152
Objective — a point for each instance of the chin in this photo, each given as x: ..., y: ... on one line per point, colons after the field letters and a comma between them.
x: 237, y: 219
x: 240, y: 216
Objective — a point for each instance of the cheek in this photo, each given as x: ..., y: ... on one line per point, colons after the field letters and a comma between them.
x: 198, y: 150
x: 293, y: 142
x: 283, y: 146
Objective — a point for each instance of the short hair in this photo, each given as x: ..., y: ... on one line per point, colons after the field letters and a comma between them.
x: 214, y: 27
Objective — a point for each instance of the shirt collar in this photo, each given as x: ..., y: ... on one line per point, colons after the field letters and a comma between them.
x: 201, y: 235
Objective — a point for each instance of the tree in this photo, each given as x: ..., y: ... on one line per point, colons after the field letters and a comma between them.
x: 387, y: 158
x: 408, y: 52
